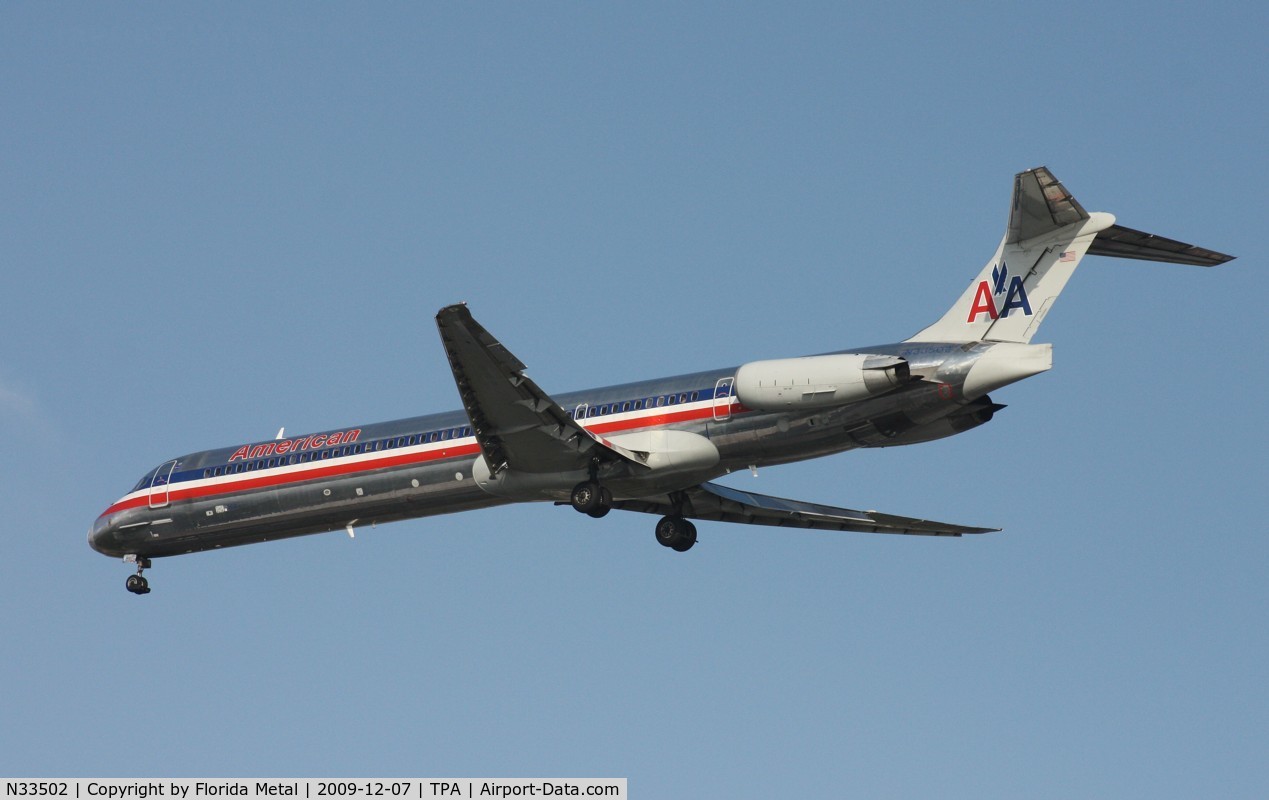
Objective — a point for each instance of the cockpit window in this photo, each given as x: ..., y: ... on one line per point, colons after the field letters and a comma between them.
x: 146, y: 480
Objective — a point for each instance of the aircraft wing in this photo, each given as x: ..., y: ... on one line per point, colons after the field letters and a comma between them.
x: 517, y: 425
x: 710, y: 501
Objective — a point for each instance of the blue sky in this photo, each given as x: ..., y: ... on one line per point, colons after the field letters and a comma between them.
x: 218, y: 220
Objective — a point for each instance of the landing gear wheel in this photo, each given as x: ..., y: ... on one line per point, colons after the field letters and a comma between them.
x: 137, y: 584
x: 689, y: 538
x: 587, y: 496
x: 605, y: 504
x: 676, y: 533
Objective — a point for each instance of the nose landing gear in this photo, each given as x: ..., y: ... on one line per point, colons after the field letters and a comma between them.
x: 137, y: 584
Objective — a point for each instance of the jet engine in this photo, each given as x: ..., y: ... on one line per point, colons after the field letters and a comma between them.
x: 818, y: 381
x: 978, y: 412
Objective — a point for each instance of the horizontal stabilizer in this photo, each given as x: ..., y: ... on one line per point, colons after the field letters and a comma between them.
x: 1040, y: 205
x: 1122, y: 242
x: 710, y: 501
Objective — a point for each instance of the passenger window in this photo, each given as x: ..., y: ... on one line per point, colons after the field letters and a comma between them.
x: 660, y: 401
x: 695, y: 396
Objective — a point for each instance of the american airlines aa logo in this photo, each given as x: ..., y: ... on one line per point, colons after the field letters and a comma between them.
x: 986, y: 295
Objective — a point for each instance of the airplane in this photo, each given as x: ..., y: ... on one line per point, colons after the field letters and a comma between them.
x: 653, y: 446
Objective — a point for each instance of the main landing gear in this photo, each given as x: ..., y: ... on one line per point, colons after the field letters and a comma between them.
x: 673, y: 531
x: 590, y: 498
x: 676, y: 533
x: 137, y: 584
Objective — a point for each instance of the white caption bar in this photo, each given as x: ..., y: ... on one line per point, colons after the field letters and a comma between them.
x: 311, y: 788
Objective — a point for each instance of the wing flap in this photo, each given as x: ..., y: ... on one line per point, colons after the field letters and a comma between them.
x: 711, y: 501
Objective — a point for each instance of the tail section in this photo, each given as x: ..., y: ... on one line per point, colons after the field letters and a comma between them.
x: 1048, y: 233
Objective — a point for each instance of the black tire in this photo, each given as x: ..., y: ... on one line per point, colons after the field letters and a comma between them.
x: 586, y: 497
x: 670, y: 530
x: 687, y: 537
x: 136, y: 584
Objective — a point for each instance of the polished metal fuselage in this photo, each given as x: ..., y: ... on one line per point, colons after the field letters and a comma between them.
x: 160, y: 519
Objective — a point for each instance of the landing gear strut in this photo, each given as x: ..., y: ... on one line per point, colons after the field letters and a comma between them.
x: 137, y: 584
x: 676, y: 533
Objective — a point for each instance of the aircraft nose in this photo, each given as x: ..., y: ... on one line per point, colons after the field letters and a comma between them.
x: 101, y: 536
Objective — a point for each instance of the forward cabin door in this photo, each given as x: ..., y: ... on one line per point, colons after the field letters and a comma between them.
x: 160, y: 493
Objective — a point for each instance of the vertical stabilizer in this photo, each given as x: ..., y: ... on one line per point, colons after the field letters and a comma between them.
x: 1048, y: 233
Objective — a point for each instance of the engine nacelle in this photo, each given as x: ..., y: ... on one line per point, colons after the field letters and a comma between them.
x: 818, y: 381
x: 976, y: 413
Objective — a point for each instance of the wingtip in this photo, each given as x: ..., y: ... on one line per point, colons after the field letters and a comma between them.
x: 455, y: 308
